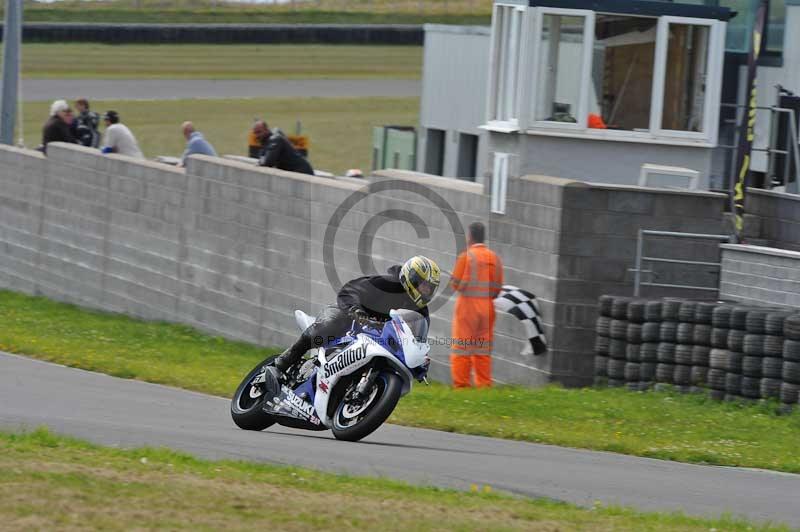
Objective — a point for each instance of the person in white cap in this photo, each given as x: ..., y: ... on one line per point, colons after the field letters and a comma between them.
x: 58, y: 126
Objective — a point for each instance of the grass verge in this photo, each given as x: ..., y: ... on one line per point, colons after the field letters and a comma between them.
x: 49, y: 481
x: 658, y: 425
x: 306, y: 12
x: 340, y: 129
x: 213, y: 61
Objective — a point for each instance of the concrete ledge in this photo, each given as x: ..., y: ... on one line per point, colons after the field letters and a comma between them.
x: 654, y: 190
x: 559, y: 181
x: 22, y: 151
x: 431, y: 180
x: 773, y: 194
x: 762, y: 250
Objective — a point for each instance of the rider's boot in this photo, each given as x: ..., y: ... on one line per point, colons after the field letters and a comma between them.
x: 290, y: 356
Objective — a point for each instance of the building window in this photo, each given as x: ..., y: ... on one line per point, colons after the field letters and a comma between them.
x: 559, y: 71
x: 434, y: 151
x: 686, y: 77
x: 609, y: 75
x: 467, y: 156
x: 507, y: 40
x: 622, y: 71
x: 776, y: 25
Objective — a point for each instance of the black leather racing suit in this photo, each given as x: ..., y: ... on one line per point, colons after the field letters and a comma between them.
x: 375, y: 295
x: 279, y: 153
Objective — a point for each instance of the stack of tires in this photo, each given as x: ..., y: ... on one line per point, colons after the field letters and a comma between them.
x: 682, y: 376
x: 790, y: 388
x: 719, y: 358
x: 701, y: 349
x: 602, y: 343
x: 618, y: 346
x: 636, y: 318
x: 753, y: 348
x: 734, y: 351
x: 668, y: 333
x: 736, y: 335
x: 648, y: 352
x: 772, y: 361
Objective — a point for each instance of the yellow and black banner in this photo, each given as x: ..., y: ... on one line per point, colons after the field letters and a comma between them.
x: 746, y: 128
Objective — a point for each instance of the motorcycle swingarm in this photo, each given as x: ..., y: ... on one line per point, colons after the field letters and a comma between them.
x: 288, y: 407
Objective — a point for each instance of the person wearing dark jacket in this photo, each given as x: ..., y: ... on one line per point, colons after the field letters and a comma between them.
x: 57, y: 128
x: 279, y: 153
x: 85, y: 124
x: 410, y: 286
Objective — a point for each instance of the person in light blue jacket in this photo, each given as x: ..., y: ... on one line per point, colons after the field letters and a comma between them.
x: 195, y: 143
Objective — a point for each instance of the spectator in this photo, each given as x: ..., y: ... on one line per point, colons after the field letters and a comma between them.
x: 85, y: 125
x: 279, y: 153
x: 478, y: 279
x: 257, y: 139
x: 195, y: 143
x: 118, y: 138
x: 57, y: 127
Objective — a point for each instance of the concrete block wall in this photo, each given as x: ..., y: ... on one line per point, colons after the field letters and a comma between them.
x: 234, y: 249
x: 773, y: 218
x: 760, y: 275
x: 595, y: 247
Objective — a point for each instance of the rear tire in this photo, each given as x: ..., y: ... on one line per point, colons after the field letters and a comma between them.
x: 245, y: 409
x: 389, y: 387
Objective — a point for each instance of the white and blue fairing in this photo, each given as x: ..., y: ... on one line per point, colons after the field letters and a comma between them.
x: 402, y: 342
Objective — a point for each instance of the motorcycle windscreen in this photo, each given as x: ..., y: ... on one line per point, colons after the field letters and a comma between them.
x: 416, y: 322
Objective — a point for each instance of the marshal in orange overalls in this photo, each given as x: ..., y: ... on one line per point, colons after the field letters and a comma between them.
x: 478, y: 279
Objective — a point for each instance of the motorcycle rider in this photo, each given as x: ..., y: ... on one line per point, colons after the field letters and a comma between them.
x: 410, y: 286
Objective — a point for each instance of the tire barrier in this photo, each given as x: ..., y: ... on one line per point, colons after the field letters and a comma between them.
x: 732, y: 352
x: 398, y: 34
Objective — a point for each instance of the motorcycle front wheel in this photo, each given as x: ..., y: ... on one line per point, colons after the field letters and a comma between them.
x: 248, y: 400
x: 356, y: 418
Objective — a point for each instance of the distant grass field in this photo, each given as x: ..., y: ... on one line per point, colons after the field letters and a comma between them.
x: 340, y: 129
x: 657, y: 425
x: 309, y: 11
x: 229, y: 61
x: 58, y: 483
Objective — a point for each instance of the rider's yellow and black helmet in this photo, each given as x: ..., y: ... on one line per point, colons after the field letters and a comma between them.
x: 420, y: 279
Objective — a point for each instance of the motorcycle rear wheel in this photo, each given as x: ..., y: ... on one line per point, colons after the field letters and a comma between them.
x: 353, y: 421
x: 245, y: 408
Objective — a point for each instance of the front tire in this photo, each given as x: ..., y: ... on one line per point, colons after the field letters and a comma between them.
x: 352, y: 421
x: 248, y: 400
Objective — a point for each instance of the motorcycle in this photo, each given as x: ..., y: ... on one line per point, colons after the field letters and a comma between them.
x: 349, y: 385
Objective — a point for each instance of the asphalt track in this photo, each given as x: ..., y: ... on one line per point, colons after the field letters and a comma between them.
x: 37, y: 90
x: 126, y: 413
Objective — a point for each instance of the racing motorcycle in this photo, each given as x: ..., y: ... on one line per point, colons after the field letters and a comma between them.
x: 350, y: 385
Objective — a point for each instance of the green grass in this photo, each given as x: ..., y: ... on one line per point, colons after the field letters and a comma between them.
x: 230, y: 61
x: 317, y: 11
x: 340, y: 129
x: 658, y: 425
x: 54, y: 482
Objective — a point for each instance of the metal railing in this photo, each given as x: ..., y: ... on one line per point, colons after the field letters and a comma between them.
x: 792, y: 144
x: 640, y: 259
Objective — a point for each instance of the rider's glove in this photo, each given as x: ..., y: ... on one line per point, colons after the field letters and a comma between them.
x: 359, y: 314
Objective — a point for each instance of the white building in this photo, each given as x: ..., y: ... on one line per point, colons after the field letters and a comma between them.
x: 592, y: 90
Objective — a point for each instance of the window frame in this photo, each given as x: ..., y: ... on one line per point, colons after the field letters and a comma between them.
x: 586, y: 68
x: 500, y: 172
x: 498, y: 74
x: 527, y: 88
x: 713, y: 89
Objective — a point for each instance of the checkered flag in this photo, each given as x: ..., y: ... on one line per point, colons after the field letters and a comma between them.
x: 522, y: 305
